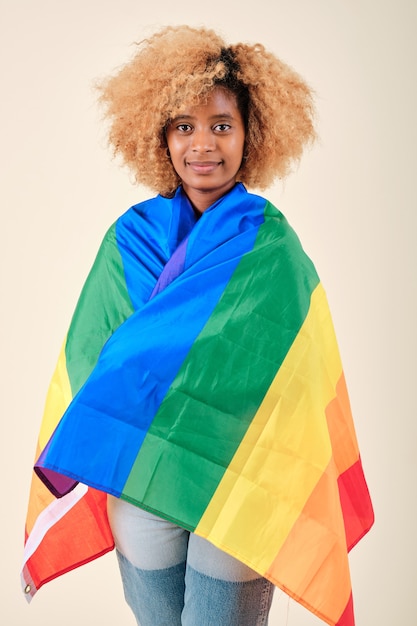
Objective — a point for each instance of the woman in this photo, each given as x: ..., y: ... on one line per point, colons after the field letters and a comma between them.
x: 207, y: 408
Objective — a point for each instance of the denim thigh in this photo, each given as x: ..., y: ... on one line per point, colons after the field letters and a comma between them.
x: 173, y: 578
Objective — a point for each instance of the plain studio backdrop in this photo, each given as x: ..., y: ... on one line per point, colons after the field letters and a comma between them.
x: 351, y: 200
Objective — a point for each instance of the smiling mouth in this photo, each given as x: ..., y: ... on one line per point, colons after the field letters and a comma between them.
x: 203, y: 167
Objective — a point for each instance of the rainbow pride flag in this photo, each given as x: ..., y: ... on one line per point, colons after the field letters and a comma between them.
x: 201, y: 380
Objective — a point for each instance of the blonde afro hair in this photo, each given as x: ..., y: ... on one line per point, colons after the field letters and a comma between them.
x: 181, y: 64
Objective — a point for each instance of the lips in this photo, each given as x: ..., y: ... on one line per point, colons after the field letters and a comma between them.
x: 203, y: 167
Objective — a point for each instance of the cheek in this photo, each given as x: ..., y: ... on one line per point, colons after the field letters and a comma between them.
x: 172, y: 143
x: 174, y: 152
x: 238, y: 149
x: 177, y: 161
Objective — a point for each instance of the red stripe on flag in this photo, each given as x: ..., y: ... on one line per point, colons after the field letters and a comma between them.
x: 347, y: 618
x: 356, y: 504
x: 58, y: 553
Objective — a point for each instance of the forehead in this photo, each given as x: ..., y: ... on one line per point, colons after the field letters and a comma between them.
x: 218, y: 101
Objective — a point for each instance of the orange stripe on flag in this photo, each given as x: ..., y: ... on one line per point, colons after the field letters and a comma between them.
x: 312, y: 565
x: 40, y: 499
x: 341, y: 429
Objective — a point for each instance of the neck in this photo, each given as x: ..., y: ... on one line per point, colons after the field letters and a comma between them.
x: 201, y: 200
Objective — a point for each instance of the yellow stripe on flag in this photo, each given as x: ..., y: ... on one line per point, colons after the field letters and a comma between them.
x: 57, y: 400
x: 285, y: 451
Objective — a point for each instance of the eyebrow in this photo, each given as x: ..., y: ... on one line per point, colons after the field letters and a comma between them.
x: 228, y: 116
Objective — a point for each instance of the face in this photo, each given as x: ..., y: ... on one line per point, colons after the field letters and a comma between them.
x: 206, y: 145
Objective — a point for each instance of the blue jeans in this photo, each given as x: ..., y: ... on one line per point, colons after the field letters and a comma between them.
x: 174, y: 578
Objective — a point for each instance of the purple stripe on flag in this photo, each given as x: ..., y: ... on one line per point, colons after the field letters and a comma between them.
x: 172, y: 269
x: 58, y: 484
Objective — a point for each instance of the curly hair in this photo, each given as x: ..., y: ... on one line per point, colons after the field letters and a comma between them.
x: 181, y: 64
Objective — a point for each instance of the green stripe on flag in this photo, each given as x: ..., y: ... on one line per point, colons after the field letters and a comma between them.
x: 196, y: 432
x: 103, y: 305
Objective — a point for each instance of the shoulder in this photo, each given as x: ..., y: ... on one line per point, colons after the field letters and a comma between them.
x: 143, y: 219
x: 146, y: 209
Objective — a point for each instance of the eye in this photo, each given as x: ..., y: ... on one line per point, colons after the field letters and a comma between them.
x: 184, y: 128
x: 222, y: 128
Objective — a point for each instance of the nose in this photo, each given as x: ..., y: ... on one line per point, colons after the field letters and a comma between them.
x: 202, y: 140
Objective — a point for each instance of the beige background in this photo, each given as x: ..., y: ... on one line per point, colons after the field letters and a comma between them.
x: 352, y: 202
